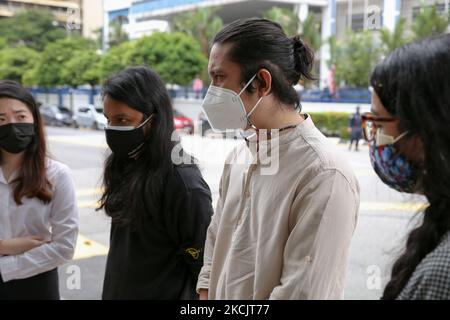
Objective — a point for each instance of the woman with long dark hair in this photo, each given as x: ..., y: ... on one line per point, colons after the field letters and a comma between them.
x: 160, y: 208
x: 409, y: 137
x: 38, y: 211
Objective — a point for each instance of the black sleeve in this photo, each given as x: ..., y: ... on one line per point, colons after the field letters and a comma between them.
x: 190, y: 215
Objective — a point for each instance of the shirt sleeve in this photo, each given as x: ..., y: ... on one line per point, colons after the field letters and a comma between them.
x: 325, y: 211
x: 194, y: 211
x: 64, y: 229
x: 187, y: 216
x: 205, y: 272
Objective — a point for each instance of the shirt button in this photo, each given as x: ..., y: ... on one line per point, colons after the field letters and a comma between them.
x: 308, y: 259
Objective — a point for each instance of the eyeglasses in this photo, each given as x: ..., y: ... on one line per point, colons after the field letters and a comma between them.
x: 369, y: 124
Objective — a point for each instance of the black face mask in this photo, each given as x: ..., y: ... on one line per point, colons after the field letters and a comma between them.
x: 126, y: 142
x: 16, y: 137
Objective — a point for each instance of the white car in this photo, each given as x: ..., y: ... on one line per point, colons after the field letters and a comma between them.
x: 90, y: 116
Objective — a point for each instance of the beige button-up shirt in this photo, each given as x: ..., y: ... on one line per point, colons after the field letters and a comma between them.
x: 282, y: 233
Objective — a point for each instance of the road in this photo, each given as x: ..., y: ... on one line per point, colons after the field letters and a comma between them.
x: 384, y: 219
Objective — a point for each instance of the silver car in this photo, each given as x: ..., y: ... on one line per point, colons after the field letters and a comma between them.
x: 90, y: 116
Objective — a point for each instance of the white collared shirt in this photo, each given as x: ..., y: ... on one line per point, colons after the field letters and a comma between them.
x: 56, y: 222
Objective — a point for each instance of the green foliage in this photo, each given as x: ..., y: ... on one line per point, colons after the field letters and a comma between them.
x: 332, y: 124
x: 202, y: 24
x: 3, y: 43
x: 117, y: 34
x: 15, y: 62
x: 392, y: 40
x: 355, y: 57
x: 176, y: 57
x: 116, y: 59
x: 287, y: 19
x: 82, y: 68
x: 49, y: 70
x: 34, y: 28
x: 429, y: 22
x: 310, y: 32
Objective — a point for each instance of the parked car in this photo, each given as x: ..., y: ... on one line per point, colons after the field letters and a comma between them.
x: 90, y: 116
x: 344, y: 95
x: 315, y: 95
x: 56, y: 116
x: 183, y: 123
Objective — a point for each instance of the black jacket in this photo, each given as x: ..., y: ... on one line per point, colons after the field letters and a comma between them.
x: 162, y: 259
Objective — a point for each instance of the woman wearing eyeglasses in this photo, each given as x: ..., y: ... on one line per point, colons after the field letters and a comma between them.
x: 409, y: 137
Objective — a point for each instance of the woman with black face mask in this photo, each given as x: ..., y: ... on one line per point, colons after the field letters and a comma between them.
x: 38, y: 211
x: 409, y: 136
x: 160, y: 209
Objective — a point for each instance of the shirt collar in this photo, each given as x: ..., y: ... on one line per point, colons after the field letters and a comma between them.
x: 11, y: 178
x: 283, y: 137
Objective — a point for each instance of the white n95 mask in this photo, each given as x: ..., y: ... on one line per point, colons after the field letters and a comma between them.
x: 225, y: 110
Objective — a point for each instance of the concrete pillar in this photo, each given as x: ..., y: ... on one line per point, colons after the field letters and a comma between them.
x: 328, y: 29
x: 302, y: 10
x: 349, y: 14
x: 391, y: 13
x: 105, y: 29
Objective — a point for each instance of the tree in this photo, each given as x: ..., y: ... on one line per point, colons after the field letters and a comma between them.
x: 82, y: 68
x: 3, y: 43
x: 116, y: 59
x: 355, y: 57
x: 34, y: 28
x: 334, y: 51
x: 49, y: 69
x: 202, y: 24
x: 286, y: 18
x: 98, y: 37
x: 429, y: 22
x: 392, y: 40
x: 310, y: 32
x: 14, y: 62
x: 117, y: 34
x: 176, y: 57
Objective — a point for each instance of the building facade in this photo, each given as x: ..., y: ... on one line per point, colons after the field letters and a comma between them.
x: 92, y: 18
x: 337, y: 16
x: 66, y: 12
x: 85, y: 16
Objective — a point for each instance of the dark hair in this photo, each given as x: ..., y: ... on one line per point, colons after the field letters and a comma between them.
x: 126, y: 180
x: 32, y: 181
x: 413, y: 84
x: 260, y: 43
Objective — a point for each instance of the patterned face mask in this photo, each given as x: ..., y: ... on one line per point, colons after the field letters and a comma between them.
x: 390, y: 166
